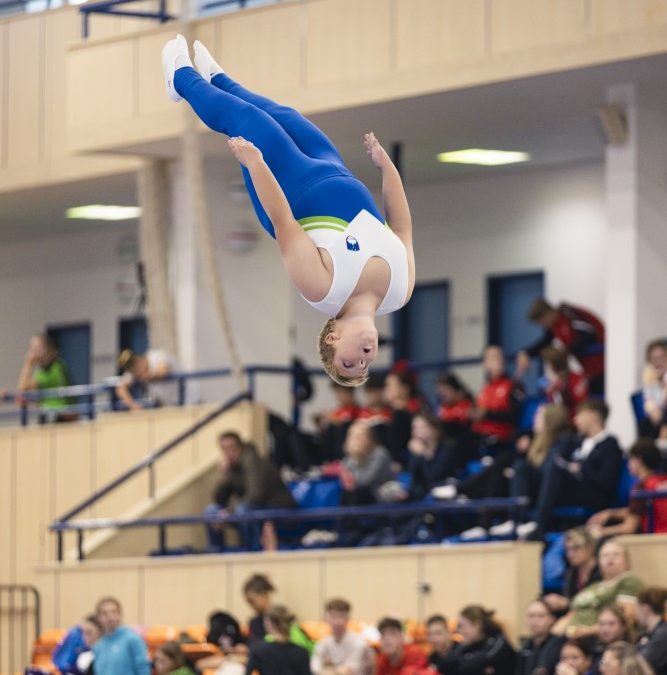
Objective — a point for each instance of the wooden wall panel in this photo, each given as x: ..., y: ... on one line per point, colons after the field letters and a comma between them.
x: 447, y: 32
x: 348, y: 41
x: 166, y: 425
x: 4, y: 90
x: 524, y: 24
x: 648, y: 554
x: 152, y: 95
x: 25, y: 84
x: 7, y: 499
x: 618, y: 16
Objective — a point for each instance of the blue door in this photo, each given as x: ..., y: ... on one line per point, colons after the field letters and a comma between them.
x: 509, y: 298
x: 74, y: 342
x: 421, y: 332
x: 133, y: 334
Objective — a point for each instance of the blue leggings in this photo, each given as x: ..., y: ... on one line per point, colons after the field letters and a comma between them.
x: 304, y: 161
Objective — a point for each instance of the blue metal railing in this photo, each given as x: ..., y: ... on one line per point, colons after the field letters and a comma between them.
x: 649, y: 496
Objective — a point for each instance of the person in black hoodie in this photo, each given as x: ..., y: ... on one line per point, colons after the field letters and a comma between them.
x: 540, y: 650
x: 484, y: 650
x: 651, y: 617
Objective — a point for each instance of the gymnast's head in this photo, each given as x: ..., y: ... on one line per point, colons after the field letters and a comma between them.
x: 347, y: 348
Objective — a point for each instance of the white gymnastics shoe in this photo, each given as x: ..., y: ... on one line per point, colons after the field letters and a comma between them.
x: 207, y: 66
x: 174, y: 55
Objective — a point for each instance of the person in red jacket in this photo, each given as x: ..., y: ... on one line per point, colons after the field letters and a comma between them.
x: 498, y: 406
x: 574, y: 329
x: 396, y: 657
x: 565, y: 387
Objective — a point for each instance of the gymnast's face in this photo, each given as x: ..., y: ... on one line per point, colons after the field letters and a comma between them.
x: 356, y: 349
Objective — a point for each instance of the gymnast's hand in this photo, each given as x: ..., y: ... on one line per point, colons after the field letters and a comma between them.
x: 375, y: 151
x: 244, y: 151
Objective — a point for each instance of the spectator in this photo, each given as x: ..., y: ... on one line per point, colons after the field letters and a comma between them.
x: 582, y: 571
x: 343, y: 652
x: 278, y: 655
x: 565, y: 387
x: 258, y: 591
x: 144, y: 371
x: 612, y: 627
x: 621, y: 658
x: 575, y: 658
x: 539, y: 652
x: 170, y: 660
x: 247, y: 482
x: 365, y: 468
x: 74, y: 656
x: 396, y: 657
x: 333, y: 425
x: 498, y: 407
x: 484, y: 649
x: 43, y: 368
x: 651, y: 618
x: 120, y: 649
x: 618, y: 585
x: 375, y: 411
x: 577, y: 330
x: 585, y: 474
x: 440, y: 640
x: 401, y: 396
x: 645, y: 464
x: 225, y: 633
x: 432, y: 460
x: 456, y: 402
x: 654, y: 389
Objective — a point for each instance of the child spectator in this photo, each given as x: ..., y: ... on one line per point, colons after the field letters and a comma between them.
x: 575, y: 658
x: 654, y: 389
x: 612, y: 627
x: 622, y: 658
x: 577, y: 330
x: 225, y: 633
x: 343, y: 652
x: 145, y: 371
x: 566, y: 387
x: 74, y: 656
x: 396, y: 657
x: 402, y: 397
x: 539, y: 652
x: 170, y: 660
x: 651, y: 618
x: 440, y: 640
x: 645, y: 464
x: 257, y: 591
x: 375, y: 411
x: 456, y: 402
x: 333, y: 425
x: 278, y: 655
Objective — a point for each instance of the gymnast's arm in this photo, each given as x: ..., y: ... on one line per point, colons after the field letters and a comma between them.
x: 300, y: 256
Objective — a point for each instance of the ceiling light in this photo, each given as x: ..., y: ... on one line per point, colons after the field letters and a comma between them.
x: 483, y: 157
x: 103, y: 212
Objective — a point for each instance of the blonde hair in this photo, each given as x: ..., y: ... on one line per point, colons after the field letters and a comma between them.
x: 327, y: 353
x: 556, y: 423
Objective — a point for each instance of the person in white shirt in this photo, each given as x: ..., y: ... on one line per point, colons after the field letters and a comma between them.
x: 343, y: 652
x: 148, y: 370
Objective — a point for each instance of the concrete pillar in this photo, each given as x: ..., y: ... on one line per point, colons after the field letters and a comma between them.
x: 636, y: 276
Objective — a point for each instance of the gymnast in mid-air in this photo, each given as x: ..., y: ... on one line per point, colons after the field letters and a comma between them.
x: 345, y: 258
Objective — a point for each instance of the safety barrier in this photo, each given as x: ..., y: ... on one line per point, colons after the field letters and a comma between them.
x: 649, y: 496
x: 20, y: 625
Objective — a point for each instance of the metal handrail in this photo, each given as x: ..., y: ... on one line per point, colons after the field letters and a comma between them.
x: 649, y: 496
x: 335, y: 513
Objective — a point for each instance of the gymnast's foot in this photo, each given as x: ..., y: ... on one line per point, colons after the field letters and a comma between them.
x: 206, y: 64
x: 175, y: 55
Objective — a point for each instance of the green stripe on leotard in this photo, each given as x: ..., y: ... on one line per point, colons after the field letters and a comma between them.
x: 325, y: 223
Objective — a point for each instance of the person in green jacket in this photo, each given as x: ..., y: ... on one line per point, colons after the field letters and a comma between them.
x: 43, y: 368
x: 170, y: 660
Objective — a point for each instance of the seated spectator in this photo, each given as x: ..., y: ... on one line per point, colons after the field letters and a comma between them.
x: 332, y: 426
x: 440, y: 641
x: 456, y: 402
x: 342, y: 652
x: 257, y: 591
x: 365, y: 468
x: 566, y: 387
x: 278, y: 655
x: 621, y: 658
x: 577, y: 330
x: 225, y: 633
x: 582, y: 568
x: 402, y: 397
x: 375, y: 411
x: 539, y: 652
x: 645, y: 464
x: 497, y: 409
x: 144, y: 371
x: 654, y: 389
x: 618, y: 585
x: 613, y: 626
x: 432, y: 460
x: 73, y: 655
x: 575, y: 658
x: 651, y: 619
x: 247, y: 482
x: 43, y: 368
x: 586, y: 473
x: 170, y: 660
x: 396, y: 657
x: 484, y: 650
x: 120, y: 649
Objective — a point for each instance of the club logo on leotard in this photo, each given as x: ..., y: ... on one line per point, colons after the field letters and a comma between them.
x: 352, y: 243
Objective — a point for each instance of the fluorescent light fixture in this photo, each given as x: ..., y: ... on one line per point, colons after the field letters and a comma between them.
x: 103, y: 212
x: 483, y: 157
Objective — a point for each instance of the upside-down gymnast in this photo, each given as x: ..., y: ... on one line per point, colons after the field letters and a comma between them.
x: 337, y: 248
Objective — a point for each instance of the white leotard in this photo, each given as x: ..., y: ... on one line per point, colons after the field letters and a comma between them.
x: 350, y: 247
